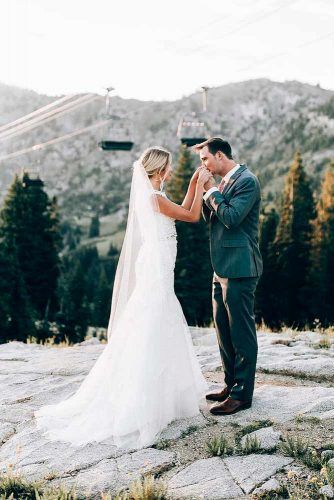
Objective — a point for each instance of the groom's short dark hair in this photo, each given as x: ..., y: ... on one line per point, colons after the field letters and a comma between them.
x: 216, y: 144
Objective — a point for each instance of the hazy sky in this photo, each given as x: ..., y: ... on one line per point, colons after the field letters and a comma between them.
x: 153, y: 49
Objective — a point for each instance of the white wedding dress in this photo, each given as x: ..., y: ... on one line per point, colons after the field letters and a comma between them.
x: 148, y: 374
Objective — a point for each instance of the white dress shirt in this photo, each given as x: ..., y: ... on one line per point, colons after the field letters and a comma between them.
x: 226, y: 178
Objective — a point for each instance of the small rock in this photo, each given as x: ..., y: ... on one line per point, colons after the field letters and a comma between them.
x: 205, y: 478
x: 323, y: 408
x: 327, y: 490
x: 175, y: 429
x: 6, y: 430
x: 271, y: 485
x: 267, y: 436
x: 113, y: 475
x: 91, y: 341
x: 251, y: 470
x: 327, y: 455
x: 330, y: 463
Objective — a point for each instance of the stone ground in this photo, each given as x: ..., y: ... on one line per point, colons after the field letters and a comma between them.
x: 294, y: 391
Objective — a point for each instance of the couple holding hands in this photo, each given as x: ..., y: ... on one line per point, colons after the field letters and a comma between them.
x: 147, y: 374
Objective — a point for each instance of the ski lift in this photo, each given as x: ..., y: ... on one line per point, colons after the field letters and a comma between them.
x: 116, y: 145
x: 193, y: 130
x: 118, y: 131
x: 31, y: 177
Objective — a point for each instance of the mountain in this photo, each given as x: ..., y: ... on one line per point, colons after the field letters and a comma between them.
x: 265, y: 121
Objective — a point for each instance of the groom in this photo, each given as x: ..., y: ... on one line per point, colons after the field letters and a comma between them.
x: 232, y: 212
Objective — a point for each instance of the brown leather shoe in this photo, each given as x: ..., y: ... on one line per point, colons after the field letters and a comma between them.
x: 218, y: 396
x: 230, y: 406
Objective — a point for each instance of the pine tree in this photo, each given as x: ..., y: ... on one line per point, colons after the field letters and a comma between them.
x: 29, y: 224
x: 39, y: 247
x: 94, y: 229
x: 293, y: 245
x: 102, y: 300
x: 5, y: 301
x: 322, y: 272
x: 265, y: 304
x: 55, y: 224
x: 16, y: 315
x: 75, y: 310
x: 181, y: 176
x: 193, y: 271
x: 12, y: 215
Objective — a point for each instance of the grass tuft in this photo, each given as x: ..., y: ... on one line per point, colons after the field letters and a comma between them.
x: 294, y: 447
x: 147, y: 488
x: 252, y: 445
x: 218, y: 446
x: 189, y: 430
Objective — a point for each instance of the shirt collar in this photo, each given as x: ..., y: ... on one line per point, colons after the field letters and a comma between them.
x: 231, y: 172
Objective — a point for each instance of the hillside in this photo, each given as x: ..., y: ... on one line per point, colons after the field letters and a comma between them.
x: 265, y: 121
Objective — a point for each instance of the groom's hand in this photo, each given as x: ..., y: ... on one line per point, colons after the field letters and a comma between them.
x: 209, y: 184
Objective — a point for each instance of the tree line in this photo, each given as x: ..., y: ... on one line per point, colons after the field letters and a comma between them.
x: 53, y: 287
x: 48, y: 289
x: 297, y: 245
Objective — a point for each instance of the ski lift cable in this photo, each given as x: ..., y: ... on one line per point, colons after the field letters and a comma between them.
x: 36, y: 112
x: 245, y: 24
x: 212, y: 23
x: 261, y: 16
x: 183, y: 122
x: 280, y: 54
x: 39, y: 147
x: 31, y: 123
x: 47, y: 117
x: 274, y: 56
x: 93, y: 96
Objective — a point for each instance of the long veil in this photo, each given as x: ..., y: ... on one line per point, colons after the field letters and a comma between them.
x: 142, y: 247
x: 147, y: 375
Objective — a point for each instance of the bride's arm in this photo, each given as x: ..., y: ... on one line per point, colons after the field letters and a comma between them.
x: 178, y: 212
x: 189, y: 197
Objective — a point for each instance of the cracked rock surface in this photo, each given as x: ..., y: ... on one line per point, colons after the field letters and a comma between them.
x: 32, y: 375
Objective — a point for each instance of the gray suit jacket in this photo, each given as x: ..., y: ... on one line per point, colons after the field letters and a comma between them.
x: 233, y: 217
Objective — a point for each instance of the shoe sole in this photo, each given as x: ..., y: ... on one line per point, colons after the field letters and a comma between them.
x: 216, y: 399
x: 246, y: 407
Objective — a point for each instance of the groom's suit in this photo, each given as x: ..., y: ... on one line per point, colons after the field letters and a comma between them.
x: 233, y: 218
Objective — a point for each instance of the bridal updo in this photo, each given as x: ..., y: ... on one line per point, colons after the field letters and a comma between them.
x: 155, y: 160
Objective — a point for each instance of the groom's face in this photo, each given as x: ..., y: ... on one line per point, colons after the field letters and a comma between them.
x: 209, y: 160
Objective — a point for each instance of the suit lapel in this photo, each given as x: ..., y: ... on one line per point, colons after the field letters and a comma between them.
x: 233, y: 178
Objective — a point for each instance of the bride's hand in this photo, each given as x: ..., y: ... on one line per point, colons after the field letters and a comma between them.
x: 195, y: 175
x: 203, y: 176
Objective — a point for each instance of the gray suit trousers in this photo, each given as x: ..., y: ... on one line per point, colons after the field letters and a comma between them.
x: 233, y: 313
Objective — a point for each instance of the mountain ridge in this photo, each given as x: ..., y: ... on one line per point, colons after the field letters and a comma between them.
x: 265, y: 121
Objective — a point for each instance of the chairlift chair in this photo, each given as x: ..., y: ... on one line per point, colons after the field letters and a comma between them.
x: 31, y: 177
x: 118, y: 136
x: 193, y: 130
x: 116, y: 145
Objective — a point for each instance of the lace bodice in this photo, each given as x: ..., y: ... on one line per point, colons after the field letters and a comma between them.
x: 167, y: 252
x: 166, y: 224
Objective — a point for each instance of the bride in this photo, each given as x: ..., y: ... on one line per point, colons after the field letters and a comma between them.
x: 148, y: 374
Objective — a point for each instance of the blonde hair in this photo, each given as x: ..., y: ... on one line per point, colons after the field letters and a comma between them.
x: 155, y: 159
